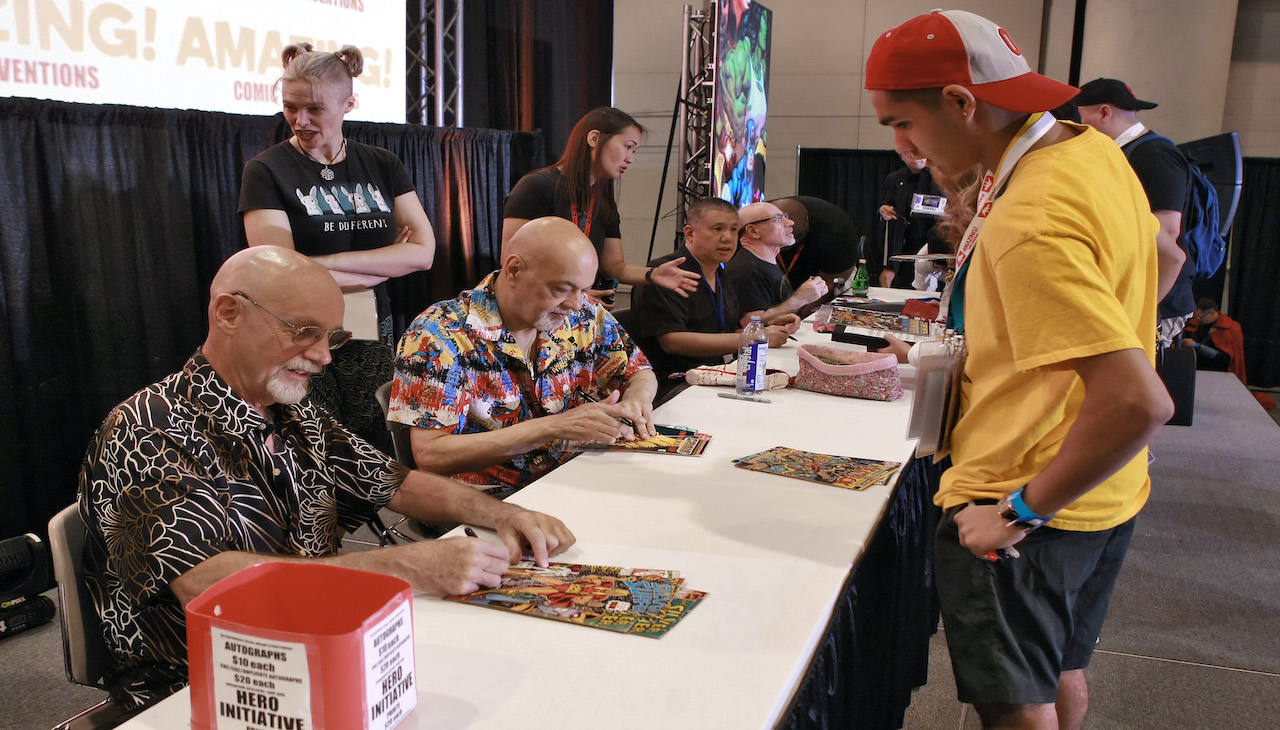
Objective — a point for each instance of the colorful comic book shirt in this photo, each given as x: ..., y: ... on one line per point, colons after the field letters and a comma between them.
x: 459, y: 370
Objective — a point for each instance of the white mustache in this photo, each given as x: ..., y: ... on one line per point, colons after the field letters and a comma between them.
x: 304, y: 366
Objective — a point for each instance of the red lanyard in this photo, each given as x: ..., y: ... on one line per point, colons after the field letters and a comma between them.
x: 795, y: 256
x: 573, y: 211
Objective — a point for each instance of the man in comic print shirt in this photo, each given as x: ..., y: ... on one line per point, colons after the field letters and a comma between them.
x: 491, y: 379
x: 226, y: 464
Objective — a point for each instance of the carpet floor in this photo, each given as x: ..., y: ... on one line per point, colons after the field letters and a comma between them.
x: 1191, y: 639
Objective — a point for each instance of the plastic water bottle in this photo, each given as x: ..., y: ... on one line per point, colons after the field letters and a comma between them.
x: 753, y: 352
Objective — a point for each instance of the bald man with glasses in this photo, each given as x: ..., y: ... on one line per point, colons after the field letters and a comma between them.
x: 758, y: 281
x: 226, y: 464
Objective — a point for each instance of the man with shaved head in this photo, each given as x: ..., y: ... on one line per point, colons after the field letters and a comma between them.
x: 492, y: 380
x: 758, y: 281
x: 225, y: 464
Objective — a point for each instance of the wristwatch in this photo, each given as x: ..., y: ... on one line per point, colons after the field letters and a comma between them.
x: 1017, y: 513
x: 648, y: 274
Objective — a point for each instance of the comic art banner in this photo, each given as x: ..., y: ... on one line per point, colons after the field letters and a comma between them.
x: 212, y: 56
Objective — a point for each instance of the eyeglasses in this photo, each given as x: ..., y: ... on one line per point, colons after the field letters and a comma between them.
x: 779, y: 218
x: 307, y: 335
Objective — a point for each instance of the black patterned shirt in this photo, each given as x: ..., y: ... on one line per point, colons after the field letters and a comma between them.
x: 180, y: 472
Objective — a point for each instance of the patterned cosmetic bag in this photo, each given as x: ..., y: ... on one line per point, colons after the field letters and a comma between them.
x: 838, y: 371
x: 728, y: 375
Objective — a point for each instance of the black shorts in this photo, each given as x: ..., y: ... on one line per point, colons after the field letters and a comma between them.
x: 1013, y: 626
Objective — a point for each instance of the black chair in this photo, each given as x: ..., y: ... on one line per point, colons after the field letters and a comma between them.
x: 627, y: 318
x: 1177, y: 368
x: 84, y: 651
x: 404, y: 454
x: 399, y: 432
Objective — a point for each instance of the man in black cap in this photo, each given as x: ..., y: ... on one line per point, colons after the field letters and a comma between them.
x: 1109, y: 106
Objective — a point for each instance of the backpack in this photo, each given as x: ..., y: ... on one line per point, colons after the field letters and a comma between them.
x: 1200, y: 236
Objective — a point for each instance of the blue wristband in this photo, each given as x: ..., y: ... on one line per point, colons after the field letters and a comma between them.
x: 1021, y: 513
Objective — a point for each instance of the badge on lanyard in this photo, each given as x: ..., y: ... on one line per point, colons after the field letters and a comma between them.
x: 936, y: 406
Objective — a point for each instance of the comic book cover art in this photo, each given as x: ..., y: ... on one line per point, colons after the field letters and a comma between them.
x: 869, y: 320
x: 847, y: 472
x: 625, y: 600
x: 677, y: 440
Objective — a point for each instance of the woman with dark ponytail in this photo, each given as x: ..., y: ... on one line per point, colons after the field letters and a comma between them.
x: 580, y: 187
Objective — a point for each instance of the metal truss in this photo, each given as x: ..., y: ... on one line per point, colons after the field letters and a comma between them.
x: 697, y: 95
x: 433, y: 68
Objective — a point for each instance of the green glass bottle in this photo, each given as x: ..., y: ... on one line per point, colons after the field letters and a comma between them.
x: 858, y: 284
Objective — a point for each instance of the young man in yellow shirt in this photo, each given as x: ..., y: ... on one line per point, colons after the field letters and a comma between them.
x: 1058, y: 307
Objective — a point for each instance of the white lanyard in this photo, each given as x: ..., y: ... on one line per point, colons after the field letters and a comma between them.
x: 1130, y: 134
x: 1032, y: 131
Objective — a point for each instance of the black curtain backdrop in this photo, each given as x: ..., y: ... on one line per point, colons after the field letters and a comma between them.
x: 854, y: 180
x: 1255, y: 270
x: 117, y: 218
x: 536, y: 64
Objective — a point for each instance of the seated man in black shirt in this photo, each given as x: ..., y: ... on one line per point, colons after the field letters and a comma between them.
x: 679, y: 333
x: 753, y: 273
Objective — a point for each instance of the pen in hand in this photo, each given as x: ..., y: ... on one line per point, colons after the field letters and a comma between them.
x: 469, y: 532
x: 593, y: 399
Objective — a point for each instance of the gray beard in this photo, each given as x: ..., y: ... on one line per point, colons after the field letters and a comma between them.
x: 288, y: 394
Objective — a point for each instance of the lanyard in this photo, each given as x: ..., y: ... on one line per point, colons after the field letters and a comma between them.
x: 795, y: 256
x: 1130, y: 134
x: 717, y: 297
x: 993, y: 184
x: 584, y: 227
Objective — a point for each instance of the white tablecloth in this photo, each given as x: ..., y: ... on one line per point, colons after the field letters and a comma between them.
x: 771, y: 552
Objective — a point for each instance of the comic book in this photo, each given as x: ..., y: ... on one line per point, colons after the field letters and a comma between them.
x: 669, y: 440
x: 847, y: 472
x: 877, y: 318
x: 626, y: 600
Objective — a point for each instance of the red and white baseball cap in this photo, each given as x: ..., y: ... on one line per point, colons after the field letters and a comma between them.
x: 957, y: 47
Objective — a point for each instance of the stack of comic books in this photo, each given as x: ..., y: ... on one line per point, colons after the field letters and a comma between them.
x: 846, y: 472
x: 626, y: 600
x: 875, y: 319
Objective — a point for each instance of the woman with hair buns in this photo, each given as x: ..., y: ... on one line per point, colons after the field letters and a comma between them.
x: 350, y: 206
x: 580, y: 187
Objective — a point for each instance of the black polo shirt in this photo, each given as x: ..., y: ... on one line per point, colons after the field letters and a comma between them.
x: 659, y: 310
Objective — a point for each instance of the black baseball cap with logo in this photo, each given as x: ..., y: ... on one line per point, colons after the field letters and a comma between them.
x: 1111, y: 91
